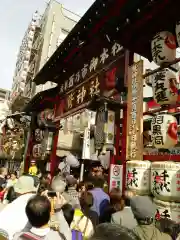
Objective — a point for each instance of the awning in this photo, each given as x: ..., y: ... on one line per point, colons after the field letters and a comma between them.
x: 132, y: 23
x: 42, y: 100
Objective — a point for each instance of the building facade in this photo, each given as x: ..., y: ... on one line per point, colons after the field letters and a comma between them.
x: 44, y: 34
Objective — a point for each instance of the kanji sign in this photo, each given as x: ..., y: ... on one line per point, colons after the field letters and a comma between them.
x: 135, y: 112
x: 82, y: 94
x: 106, y: 56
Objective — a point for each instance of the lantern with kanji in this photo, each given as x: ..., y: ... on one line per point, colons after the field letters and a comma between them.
x: 165, y: 87
x: 138, y: 177
x: 164, y: 131
x: 169, y: 210
x: 165, y: 180
x: 37, y: 151
x: 163, y: 47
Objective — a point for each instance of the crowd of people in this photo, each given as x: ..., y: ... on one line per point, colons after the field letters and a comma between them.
x: 62, y: 208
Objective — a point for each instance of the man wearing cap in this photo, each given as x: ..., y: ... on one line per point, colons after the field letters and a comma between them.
x: 13, y: 217
x: 144, y: 212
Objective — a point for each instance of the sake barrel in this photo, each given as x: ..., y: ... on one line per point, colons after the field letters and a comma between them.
x: 167, y: 209
x: 163, y: 47
x: 165, y: 181
x: 165, y: 87
x: 138, y: 176
x: 164, y: 131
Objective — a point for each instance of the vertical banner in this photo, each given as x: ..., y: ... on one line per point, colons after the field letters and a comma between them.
x: 135, y: 112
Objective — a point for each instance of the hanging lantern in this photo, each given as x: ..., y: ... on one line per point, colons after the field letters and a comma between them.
x: 37, y: 151
x: 39, y: 135
x: 163, y: 48
x: 164, y: 131
x: 165, y: 87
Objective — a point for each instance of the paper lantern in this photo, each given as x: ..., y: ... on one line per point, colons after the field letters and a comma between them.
x: 163, y: 47
x: 165, y: 181
x: 165, y: 87
x: 164, y: 131
x: 72, y: 161
x: 138, y: 176
x: 37, y: 151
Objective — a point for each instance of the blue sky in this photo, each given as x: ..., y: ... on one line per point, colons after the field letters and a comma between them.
x: 14, y: 19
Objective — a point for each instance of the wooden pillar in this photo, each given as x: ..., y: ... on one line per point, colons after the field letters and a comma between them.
x: 53, y: 153
x: 124, y: 147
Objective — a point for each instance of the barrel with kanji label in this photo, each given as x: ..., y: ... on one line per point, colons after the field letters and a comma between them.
x: 164, y: 131
x: 169, y: 210
x: 138, y: 177
x: 163, y: 47
x: 165, y: 181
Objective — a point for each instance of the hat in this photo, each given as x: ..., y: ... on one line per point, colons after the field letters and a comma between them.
x: 58, y: 185
x: 33, y: 161
x: 71, y: 180
x: 3, y: 235
x: 142, y: 207
x: 25, y: 184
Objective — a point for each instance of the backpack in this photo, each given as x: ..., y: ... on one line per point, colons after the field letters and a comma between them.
x: 76, y: 233
x: 32, y: 236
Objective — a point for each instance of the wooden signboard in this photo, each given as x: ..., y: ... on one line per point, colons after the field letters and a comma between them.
x: 82, y: 94
x: 135, y: 112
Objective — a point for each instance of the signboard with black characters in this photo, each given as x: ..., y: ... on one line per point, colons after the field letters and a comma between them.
x: 135, y: 112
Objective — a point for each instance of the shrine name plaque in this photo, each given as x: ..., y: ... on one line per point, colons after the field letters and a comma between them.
x: 135, y: 112
x: 82, y: 94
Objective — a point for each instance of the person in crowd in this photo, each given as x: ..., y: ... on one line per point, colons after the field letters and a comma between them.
x: 71, y: 191
x: 101, y: 199
x: 169, y: 227
x: 144, y: 212
x: 116, y: 204
x: 123, y: 215
x: 38, y: 211
x: 68, y: 212
x: 82, y: 223
x: 13, y: 218
x: 3, y: 174
x: 11, y: 195
x: 81, y: 188
x: 46, y: 178
x: 12, y: 180
x: 86, y: 202
x: 107, y: 231
x: 59, y: 185
x: 33, y: 170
